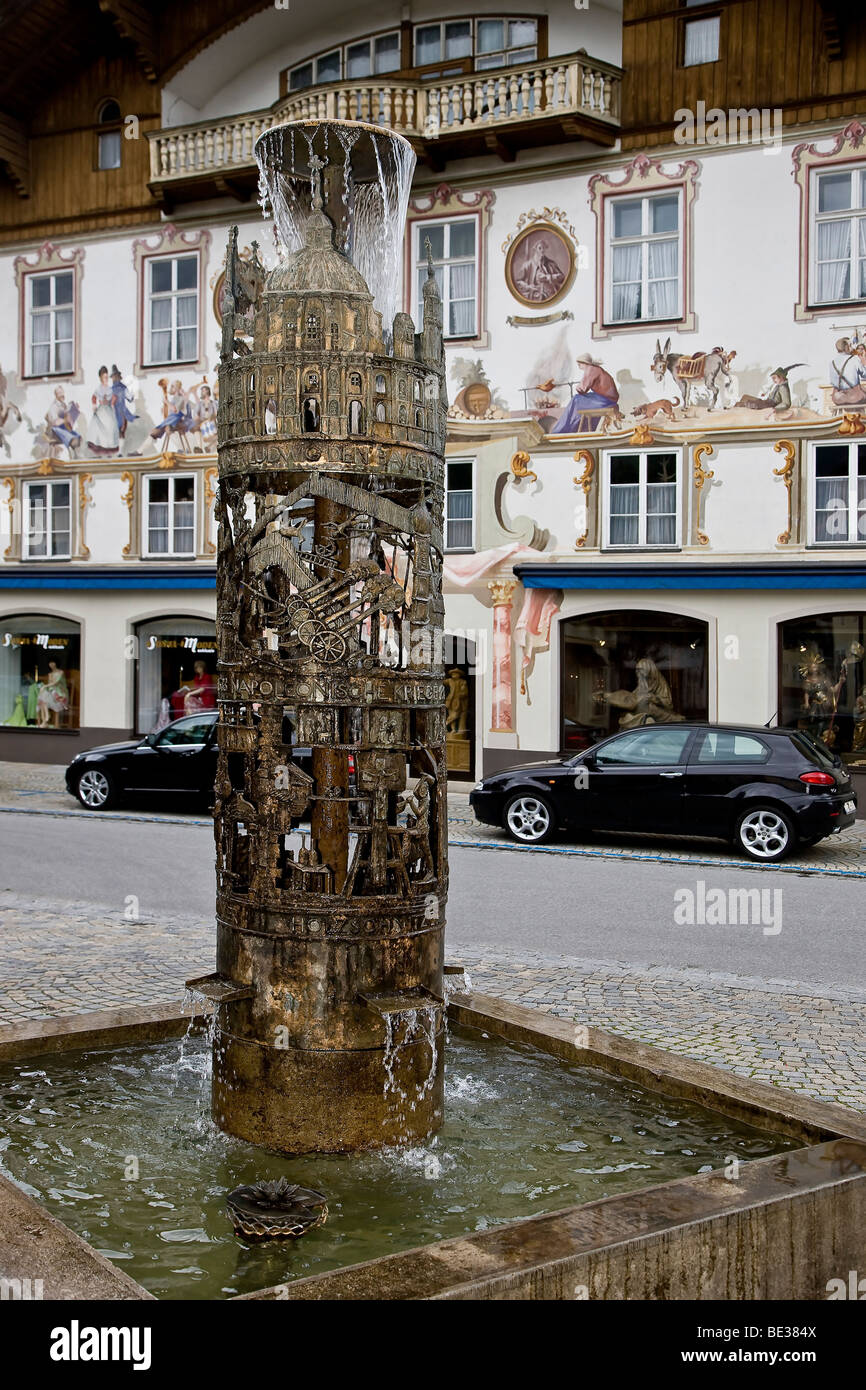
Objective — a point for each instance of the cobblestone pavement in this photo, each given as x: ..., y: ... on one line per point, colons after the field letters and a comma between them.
x: 808, y: 1038
x: 37, y: 788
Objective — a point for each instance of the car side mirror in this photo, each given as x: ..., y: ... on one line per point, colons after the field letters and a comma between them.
x: 591, y: 762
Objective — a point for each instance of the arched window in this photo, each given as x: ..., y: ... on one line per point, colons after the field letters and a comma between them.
x: 312, y: 327
x: 311, y: 415
x: 356, y: 417
x: 108, y: 139
x: 416, y: 389
x: 355, y: 382
x: 419, y: 419
x: 380, y: 412
x: 311, y: 381
x: 335, y: 335
x: 380, y: 384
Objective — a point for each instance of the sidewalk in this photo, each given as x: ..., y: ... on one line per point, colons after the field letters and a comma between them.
x: 806, y: 1037
x: 38, y: 788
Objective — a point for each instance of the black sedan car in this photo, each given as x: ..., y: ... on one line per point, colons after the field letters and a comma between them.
x: 766, y: 791
x: 178, y: 761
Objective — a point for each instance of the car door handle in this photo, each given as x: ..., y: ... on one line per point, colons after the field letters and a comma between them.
x: 670, y: 774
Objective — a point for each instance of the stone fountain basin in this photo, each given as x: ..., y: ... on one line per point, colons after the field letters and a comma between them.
x: 782, y: 1228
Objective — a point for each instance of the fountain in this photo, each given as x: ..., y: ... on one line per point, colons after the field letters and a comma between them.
x: 329, y: 988
x: 643, y: 1174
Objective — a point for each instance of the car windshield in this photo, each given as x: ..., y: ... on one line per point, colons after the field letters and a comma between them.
x: 195, y: 729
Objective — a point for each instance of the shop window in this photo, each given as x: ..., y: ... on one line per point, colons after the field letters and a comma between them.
x: 176, y: 671
x: 460, y: 664
x: 40, y: 673
x: 624, y: 668
x: 171, y: 290
x: 108, y: 138
x: 459, y: 505
x: 642, y: 491
x: 50, y: 323
x: 822, y: 689
x: 643, y: 258
x: 454, y: 247
x: 170, y: 516
x: 839, y: 494
x: 48, y: 528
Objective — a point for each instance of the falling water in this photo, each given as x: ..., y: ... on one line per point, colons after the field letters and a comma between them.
x: 369, y: 178
x: 402, y: 1029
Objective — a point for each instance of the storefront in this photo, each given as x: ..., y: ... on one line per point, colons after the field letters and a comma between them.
x: 459, y: 660
x: 822, y: 683
x: 176, y: 672
x: 624, y: 667
x: 40, y: 673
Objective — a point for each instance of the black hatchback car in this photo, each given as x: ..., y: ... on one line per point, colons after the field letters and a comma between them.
x: 766, y: 791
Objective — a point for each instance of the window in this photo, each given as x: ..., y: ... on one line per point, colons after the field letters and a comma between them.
x: 839, y: 499
x: 192, y: 732
x: 643, y: 258
x: 108, y: 140
x: 642, y: 499
x: 454, y: 246
x: 646, y: 748
x: 839, y: 236
x: 172, y: 297
x: 176, y: 670
x: 700, y: 41
x: 51, y: 323
x: 721, y: 746
x: 493, y: 43
x: 48, y: 534
x: 822, y: 682
x: 40, y: 672
x: 170, y: 516
x: 364, y: 58
x: 459, y: 519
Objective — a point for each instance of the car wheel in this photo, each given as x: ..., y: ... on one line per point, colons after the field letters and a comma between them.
x: 765, y: 834
x: 529, y: 818
x: 95, y: 789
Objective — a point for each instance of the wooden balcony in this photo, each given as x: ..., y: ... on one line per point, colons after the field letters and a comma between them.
x: 567, y: 98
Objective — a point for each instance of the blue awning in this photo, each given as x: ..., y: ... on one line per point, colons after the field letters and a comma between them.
x: 784, y: 574
x: 24, y: 578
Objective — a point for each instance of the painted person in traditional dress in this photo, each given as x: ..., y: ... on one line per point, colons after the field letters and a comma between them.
x: 597, y: 391
x: 541, y: 277
x: 122, y: 401
x: 779, y: 395
x: 61, y: 418
x: 103, y: 435
x: 205, y: 416
x: 177, y: 411
x: 849, y: 376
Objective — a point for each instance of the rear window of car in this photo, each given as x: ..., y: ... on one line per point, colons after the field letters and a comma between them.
x: 725, y: 746
x: 814, y: 751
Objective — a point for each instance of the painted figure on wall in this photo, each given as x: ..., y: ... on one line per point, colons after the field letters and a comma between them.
x: 779, y: 395
x: 122, y: 401
x: 103, y: 433
x: 176, y: 411
x: 60, y: 420
x: 848, y: 373
x: 7, y: 408
x: 596, y: 391
x: 540, y: 277
x: 708, y: 369
x: 649, y: 703
x: 205, y: 416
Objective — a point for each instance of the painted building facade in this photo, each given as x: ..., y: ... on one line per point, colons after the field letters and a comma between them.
x: 655, y: 317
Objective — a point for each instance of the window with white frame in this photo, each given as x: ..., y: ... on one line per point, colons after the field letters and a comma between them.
x: 838, y: 235
x: 644, y: 275
x: 642, y: 493
x: 459, y: 505
x: 701, y: 40
x: 454, y: 244
x: 51, y: 323
x: 369, y: 57
x: 839, y: 494
x: 169, y: 516
x: 171, y: 291
x: 493, y: 43
x: 48, y: 521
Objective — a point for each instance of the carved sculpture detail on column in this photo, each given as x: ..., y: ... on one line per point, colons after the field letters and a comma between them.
x: 330, y: 619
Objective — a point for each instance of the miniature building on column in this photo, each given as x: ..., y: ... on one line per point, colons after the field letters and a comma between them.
x: 330, y: 954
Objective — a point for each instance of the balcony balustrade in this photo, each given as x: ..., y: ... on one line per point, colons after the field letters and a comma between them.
x: 564, y: 98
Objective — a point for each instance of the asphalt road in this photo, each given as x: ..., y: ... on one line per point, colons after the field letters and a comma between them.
x: 598, y: 909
